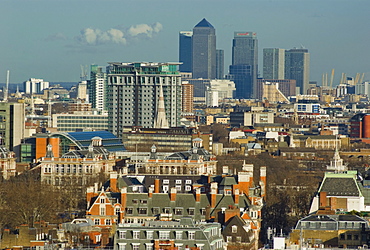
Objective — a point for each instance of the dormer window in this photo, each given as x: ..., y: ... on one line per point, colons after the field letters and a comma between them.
x: 234, y: 229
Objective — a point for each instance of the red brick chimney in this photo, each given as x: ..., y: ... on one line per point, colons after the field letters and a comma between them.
x: 123, y: 197
x: 236, y: 197
x: 150, y: 192
x: 113, y: 181
x: 197, y: 194
x: 156, y: 186
x: 322, y: 198
x: 173, y: 194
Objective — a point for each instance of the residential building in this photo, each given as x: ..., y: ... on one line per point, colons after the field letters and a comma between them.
x: 307, y: 106
x: 97, y: 88
x: 318, y: 141
x: 220, y: 61
x: 297, y: 67
x: 12, y: 125
x: 185, y: 51
x: 360, y: 126
x: 187, y: 97
x: 274, y: 63
x: 244, y: 68
x: 183, y: 234
x: 286, y: 86
x: 331, y: 231
x: 135, y: 95
x: 204, y: 50
x: 35, y: 86
x: 7, y: 163
x: 211, y: 97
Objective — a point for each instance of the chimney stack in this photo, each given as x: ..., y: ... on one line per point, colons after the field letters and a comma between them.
x: 263, y: 180
x: 156, y: 186
x: 150, y: 192
x: 322, y: 197
x: 197, y: 194
x: 236, y: 197
x: 123, y: 197
x: 113, y: 182
x: 213, y: 197
x: 173, y: 194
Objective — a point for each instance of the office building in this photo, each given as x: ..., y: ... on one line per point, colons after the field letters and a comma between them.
x: 135, y: 95
x: 35, y: 86
x: 220, y: 61
x: 204, y: 50
x: 185, y: 51
x: 225, y: 88
x: 244, y: 66
x: 274, y: 63
x: 97, y: 88
x: 80, y: 121
x: 297, y: 67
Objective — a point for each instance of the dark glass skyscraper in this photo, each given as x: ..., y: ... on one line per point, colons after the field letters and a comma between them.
x: 245, y: 62
x: 204, y: 50
x: 297, y: 67
x: 220, y: 63
x: 185, y: 51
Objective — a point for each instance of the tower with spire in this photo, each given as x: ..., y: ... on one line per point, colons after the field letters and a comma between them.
x: 161, y: 120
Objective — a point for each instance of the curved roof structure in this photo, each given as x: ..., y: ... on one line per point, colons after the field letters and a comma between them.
x: 82, y: 140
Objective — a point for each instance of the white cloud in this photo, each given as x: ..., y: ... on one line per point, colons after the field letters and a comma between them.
x: 95, y: 36
x: 145, y: 29
x: 119, y: 35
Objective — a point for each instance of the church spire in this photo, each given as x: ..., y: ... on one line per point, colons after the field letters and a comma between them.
x: 161, y: 121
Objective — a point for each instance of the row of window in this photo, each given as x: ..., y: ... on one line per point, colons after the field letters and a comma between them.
x: 157, y: 210
x: 162, y: 235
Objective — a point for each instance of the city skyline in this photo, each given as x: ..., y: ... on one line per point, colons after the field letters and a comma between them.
x: 52, y: 46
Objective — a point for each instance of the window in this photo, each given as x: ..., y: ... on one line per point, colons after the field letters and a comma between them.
x: 135, y: 247
x: 102, y: 200
x: 118, y: 210
x: 136, y: 235
x: 187, y: 188
x: 134, y: 201
x: 142, y: 210
x: 107, y: 222
x: 188, y: 182
x: 166, y: 210
x: 178, y: 182
x: 228, y: 238
x: 342, y: 236
x: 178, y: 235
x: 166, y: 181
x: 149, y: 235
x: 144, y: 201
x: 121, y: 246
x: 191, y: 211
x: 203, y: 211
x: 97, y: 221
x: 349, y: 236
x: 122, y: 234
x: 178, y: 188
x: 191, y: 235
x: 178, y: 211
x: 234, y: 229
x: 155, y: 210
x: 149, y: 246
x: 129, y: 210
x: 164, y: 235
x: 102, y: 211
x: 238, y: 239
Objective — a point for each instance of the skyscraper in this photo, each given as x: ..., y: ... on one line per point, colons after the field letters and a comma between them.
x: 220, y: 63
x: 297, y: 67
x: 273, y: 63
x: 185, y: 51
x: 135, y: 97
x: 97, y: 88
x: 244, y: 66
x: 204, y: 50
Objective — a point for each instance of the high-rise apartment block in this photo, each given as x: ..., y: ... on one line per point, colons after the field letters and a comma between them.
x: 134, y: 94
x: 35, y: 86
x: 187, y: 97
x: 297, y: 67
x: 273, y: 63
x: 97, y: 88
x: 185, y: 51
x: 220, y: 61
x: 204, y: 50
x: 244, y: 66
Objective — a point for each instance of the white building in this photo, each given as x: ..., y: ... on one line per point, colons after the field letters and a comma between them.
x: 225, y: 88
x: 211, y: 98
x: 35, y: 86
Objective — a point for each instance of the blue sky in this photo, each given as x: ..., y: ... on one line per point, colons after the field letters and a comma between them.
x: 50, y: 39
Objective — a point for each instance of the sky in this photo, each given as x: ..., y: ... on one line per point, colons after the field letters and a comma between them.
x: 51, y: 39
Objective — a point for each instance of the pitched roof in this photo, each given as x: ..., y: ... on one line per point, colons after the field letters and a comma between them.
x: 342, y: 186
x: 204, y: 24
